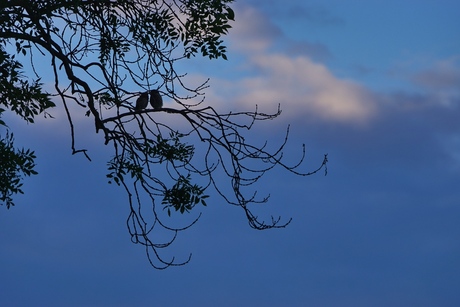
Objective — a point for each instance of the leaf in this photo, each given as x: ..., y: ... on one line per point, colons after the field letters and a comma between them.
x: 230, y: 14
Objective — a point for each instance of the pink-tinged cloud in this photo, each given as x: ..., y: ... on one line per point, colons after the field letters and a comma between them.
x: 302, y: 86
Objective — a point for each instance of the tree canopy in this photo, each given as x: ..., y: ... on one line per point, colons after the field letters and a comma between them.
x: 109, y: 59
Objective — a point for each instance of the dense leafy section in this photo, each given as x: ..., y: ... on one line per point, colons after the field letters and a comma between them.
x: 14, y: 164
x: 17, y: 94
x: 208, y: 20
x: 183, y: 196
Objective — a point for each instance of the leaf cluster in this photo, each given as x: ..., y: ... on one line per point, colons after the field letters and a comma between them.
x: 209, y: 19
x: 171, y: 149
x: 14, y: 164
x: 183, y: 196
x: 26, y: 99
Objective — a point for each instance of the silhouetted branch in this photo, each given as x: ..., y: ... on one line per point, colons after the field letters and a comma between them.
x: 104, y: 55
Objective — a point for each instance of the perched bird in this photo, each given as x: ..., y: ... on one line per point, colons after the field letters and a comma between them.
x: 155, y: 99
x: 142, y: 101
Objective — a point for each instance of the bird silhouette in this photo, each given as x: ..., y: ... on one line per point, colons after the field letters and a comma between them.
x: 142, y: 101
x: 155, y: 99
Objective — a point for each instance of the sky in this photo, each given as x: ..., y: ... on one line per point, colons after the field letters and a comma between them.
x: 374, y: 84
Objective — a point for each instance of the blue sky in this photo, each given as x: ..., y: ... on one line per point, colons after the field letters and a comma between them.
x: 375, y: 84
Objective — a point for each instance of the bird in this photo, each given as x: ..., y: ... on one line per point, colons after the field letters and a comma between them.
x: 142, y: 101
x: 155, y: 99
